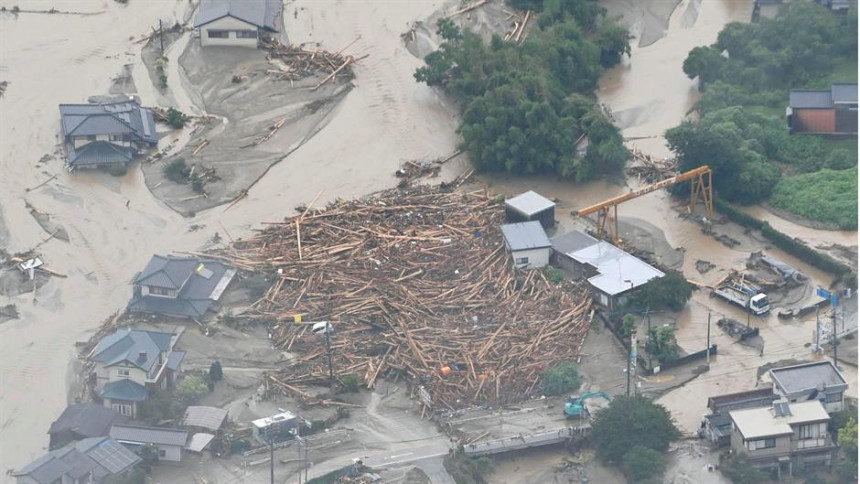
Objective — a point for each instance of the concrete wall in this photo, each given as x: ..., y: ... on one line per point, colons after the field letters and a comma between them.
x: 172, y: 453
x: 783, y: 446
x: 109, y: 403
x: 232, y: 25
x: 537, y: 258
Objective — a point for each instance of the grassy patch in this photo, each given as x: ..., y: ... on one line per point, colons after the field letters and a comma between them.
x: 827, y: 196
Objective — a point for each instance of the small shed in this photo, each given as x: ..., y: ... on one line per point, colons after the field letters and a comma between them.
x: 528, y: 244
x: 169, y: 442
x: 530, y: 206
x: 205, y: 418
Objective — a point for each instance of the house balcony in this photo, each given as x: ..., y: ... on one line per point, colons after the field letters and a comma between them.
x: 808, y: 444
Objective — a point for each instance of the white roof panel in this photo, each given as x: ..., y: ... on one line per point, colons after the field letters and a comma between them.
x: 757, y: 423
x: 618, y: 270
x: 524, y: 236
x: 529, y: 203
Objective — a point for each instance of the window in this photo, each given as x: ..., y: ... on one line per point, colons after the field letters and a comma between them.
x: 122, y: 409
x: 123, y: 372
x: 521, y: 260
x: 91, y: 137
x: 761, y: 444
x: 162, y: 453
x: 246, y: 34
x: 159, y: 291
x: 218, y: 34
x: 833, y: 397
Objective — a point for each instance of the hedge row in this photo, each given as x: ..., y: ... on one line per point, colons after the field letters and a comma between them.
x: 783, y: 241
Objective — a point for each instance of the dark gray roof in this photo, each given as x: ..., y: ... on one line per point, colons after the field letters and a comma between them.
x: 572, y: 242
x: 262, y: 13
x: 175, y: 359
x: 87, y: 420
x: 844, y: 92
x: 206, y: 417
x: 761, y: 397
x: 529, y: 203
x: 124, y: 390
x: 109, y: 118
x: 525, y: 235
x: 126, y: 345
x: 148, y: 435
x: 807, y: 377
x: 98, y: 153
x: 199, y: 281
x: 108, y: 453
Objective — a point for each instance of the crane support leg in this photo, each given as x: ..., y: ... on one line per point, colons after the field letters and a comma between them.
x: 702, y: 185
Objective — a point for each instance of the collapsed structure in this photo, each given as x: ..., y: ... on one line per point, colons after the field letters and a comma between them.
x: 417, y: 283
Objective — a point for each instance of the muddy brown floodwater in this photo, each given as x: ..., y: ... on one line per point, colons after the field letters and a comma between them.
x: 53, y: 59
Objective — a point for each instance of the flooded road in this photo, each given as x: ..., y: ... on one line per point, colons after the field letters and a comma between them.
x: 53, y: 59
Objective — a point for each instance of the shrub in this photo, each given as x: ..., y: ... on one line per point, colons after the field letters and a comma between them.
x: 197, y: 184
x: 560, y: 379
x: 662, y: 344
x: 847, y: 439
x: 191, y: 388
x: 632, y: 421
x: 827, y: 196
x: 177, y: 171
x: 841, y: 159
x: 466, y: 470
x: 628, y: 326
x: 175, y: 118
x: 160, y: 407
x: 118, y: 169
x: 553, y: 274
x: 642, y: 463
x: 737, y: 468
x: 351, y: 382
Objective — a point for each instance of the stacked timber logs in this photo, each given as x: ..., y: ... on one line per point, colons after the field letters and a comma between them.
x: 417, y: 284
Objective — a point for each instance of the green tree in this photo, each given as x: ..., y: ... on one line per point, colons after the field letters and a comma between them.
x: 216, y: 373
x: 847, y: 439
x: 706, y: 63
x: 148, y: 456
x: 560, y: 379
x: 671, y: 291
x: 841, y: 159
x: 632, y: 421
x: 662, y: 344
x: 191, y: 388
x: 737, y: 468
x: 160, y: 407
x: 642, y: 463
x: 614, y: 42
x: 628, y: 326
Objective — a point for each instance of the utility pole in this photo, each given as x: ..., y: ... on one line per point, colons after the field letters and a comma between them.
x: 817, y: 332
x: 748, y: 315
x: 708, y: 360
x: 628, y: 368
x: 161, y: 36
x: 271, y: 433
x: 328, y: 347
x: 648, y: 344
x: 834, y: 341
x: 299, y: 440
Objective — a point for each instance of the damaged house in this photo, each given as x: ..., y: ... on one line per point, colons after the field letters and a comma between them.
x: 186, y: 287
x: 129, y: 363
x: 106, y: 134
x: 91, y: 461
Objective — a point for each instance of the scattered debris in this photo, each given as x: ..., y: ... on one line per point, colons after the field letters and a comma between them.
x: 8, y: 313
x: 648, y: 169
x: 301, y: 63
x: 704, y: 266
x: 357, y: 264
x: 736, y: 329
x: 788, y: 273
x: 3, y: 86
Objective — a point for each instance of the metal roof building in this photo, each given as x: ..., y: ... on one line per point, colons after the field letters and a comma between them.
x: 528, y: 244
x: 530, y: 206
x: 762, y: 422
x: 819, y: 380
x: 170, y: 442
x: 205, y: 417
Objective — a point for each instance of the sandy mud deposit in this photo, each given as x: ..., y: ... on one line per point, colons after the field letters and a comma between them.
x: 246, y: 103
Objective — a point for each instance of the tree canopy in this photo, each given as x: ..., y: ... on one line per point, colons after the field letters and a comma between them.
x: 525, y: 106
x: 629, y: 422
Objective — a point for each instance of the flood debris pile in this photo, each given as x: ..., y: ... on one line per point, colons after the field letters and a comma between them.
x: 300, y: 63
x: 651, y: 170
x: 417, y: 284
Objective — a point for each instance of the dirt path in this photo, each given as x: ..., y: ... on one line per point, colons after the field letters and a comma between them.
x: 53, y: 59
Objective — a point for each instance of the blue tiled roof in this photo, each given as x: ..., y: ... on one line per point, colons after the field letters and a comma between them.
x: 124, y: 390
x: 109, y: 118
x: 98, y: 153
x: 195, y: 285
x: 126, y: 345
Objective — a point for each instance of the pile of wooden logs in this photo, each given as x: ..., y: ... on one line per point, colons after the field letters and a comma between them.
x: 417, y: 284
x: 649, y: 169
x: 300, y: 63
x: 518, y: 25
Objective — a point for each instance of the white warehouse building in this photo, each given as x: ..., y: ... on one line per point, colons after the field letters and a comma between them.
x: 528, y: 244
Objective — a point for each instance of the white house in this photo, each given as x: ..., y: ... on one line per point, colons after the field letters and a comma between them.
x: 237, y: 23
x: 820, y: 381
x: 169, y: 442
x: 528, y: 244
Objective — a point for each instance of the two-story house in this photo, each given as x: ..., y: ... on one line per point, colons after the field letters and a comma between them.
x: 186, y: 287
x: 104, y: 134
x: 787, y: 437
x: 129, y: 363
x: 820, y: 380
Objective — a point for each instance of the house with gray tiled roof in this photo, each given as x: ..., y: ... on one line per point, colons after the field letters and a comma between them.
x: 89, y: 461
x: 237, y: 23
x: 129, y: 363
x: 170, y: 443
x: 81, y: 421
x: 187, y: 287
x: 105, y: 134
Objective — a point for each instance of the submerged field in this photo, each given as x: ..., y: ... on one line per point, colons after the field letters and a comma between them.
x: 826, y: 195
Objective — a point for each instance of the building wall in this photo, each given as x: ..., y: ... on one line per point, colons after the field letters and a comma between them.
x: 231, y: 24
x: 111, y: 374
x: 121, y: 407
x: 846, y: 120
x: 83, y: 140
x: 171, y: 453
x: 782, y: 447
x: 813, y: 121
x: 146, y: 291
x: 537, y: 258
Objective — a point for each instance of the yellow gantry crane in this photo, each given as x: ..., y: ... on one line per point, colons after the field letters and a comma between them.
x: 607, y: 211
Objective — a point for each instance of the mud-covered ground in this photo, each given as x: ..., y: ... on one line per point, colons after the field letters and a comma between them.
x: 243, y: 112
